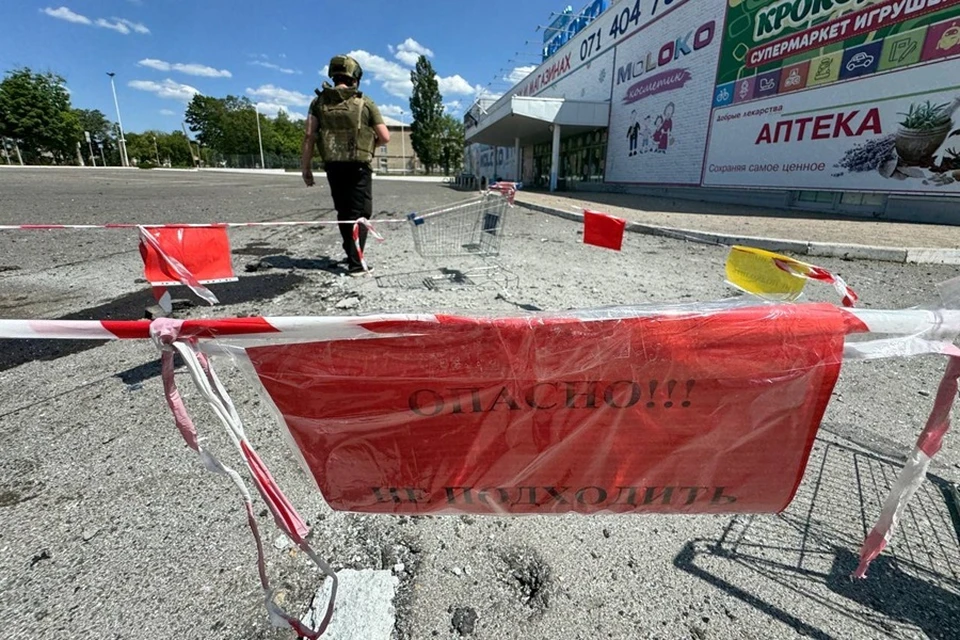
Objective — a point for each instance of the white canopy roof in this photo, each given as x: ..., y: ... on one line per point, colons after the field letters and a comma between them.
x: 530, y: 118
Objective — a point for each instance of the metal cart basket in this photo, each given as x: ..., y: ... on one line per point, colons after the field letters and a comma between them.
x: 470, y: 228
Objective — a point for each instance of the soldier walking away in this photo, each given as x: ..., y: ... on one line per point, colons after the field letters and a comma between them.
x: 348, y: 126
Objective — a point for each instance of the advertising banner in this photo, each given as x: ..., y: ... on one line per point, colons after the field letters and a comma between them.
x: 600, y: 35
x: 492, y: 163
x: 879, y: 133
x: 659, y: 110
x: 773, y: 47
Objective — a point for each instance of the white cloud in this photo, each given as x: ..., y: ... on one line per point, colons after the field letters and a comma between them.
x: 409, y: 51
x: 65, y: 14
x: 392, y: 110
x: 455, y: 85
x: 519, y: 73
x: 395, y: 79
x: 453, y: 107
x: 276, y: 96
x: 117, y: 26
x: 135, y: 26
x: 191, y: 69
x: 271, y: 109
x: 166, y: 89
x: 487, y: 94
x: 167, y: 112
x: 275, y: 67
x: 325, y: 72
x: 120, y: 25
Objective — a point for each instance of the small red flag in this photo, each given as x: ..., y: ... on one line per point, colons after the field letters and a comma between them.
x: 203, y: 251
x: 603, y: 230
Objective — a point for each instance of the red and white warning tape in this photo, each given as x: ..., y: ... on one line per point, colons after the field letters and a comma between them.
x: 943, y: 324
x: 905, y: 332
x: 207, y: 225
x: 848, y: 296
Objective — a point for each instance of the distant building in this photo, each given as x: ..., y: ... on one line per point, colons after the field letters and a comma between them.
x: 397, y: 156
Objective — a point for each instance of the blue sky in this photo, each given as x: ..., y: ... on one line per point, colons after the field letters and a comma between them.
x: 164, y: 51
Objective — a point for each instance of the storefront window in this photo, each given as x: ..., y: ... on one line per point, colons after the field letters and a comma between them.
x: 582, y: 159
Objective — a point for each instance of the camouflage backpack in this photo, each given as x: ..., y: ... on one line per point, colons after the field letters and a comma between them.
x: 344, y: 136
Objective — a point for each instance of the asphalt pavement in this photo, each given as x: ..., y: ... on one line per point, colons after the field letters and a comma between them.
x: 111, y: 528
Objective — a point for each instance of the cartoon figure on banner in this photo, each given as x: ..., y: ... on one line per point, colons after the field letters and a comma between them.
x: 663, y: 136
x: 646, y: 133
x: 633, y: 132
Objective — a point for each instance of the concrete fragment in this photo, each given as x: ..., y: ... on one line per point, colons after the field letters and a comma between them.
x: 364, y: 607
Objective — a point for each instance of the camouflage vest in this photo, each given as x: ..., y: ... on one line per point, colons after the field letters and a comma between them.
x: 344, y: 136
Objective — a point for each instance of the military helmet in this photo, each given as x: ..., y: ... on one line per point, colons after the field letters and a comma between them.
x: 345, y: 66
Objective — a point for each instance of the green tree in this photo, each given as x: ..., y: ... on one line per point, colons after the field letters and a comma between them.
x: 94, y: 122
x: 98, y: 126
x: 207, y: 117
x: 288, y: 135
x: 426, y: 106
x: 175, y: 149
x: 229, y: 127
x: 451, y: 143
x: 35, y: 109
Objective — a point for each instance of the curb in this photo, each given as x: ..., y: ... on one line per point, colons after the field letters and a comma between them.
x: 910, y: 255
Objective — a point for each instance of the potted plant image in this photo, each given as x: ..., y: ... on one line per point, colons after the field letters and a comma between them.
x: 923, y: 129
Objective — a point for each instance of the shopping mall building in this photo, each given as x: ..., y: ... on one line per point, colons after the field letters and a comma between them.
x: 834, y: 105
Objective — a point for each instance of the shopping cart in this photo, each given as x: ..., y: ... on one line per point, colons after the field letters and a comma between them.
x: 470, y: 228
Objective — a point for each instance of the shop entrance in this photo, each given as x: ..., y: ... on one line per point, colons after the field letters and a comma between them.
x: 582, y: 160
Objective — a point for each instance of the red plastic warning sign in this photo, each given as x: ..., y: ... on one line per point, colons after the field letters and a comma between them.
x: 691, y: 413
x: 603, y: 230
x: 203, y: 251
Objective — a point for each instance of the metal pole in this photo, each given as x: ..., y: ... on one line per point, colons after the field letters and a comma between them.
x: 123, y: 142
x: 155, y: 150
x: 555, y: 157
x: 103, y: 158
x: 516, y: 158
x: 16, y: 147
x: 93, y: 158
x: 196, y: 159
x: 403, y: 145
x: 259, y: 137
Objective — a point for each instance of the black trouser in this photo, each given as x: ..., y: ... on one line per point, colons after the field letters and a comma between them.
x: 351, y: 184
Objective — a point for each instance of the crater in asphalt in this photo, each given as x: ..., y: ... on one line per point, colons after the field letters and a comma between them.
x: 529, y: 576
x: 255, y: 249
x: 464, y: 620
x: 15, y: 352
x: 17, y: 484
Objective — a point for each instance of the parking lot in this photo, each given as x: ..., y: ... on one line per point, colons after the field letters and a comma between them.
x: 111, y: 528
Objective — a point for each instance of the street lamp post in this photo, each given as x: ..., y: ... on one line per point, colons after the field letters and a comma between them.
x: 259, y: 137
x: 123, y: 142
x: 156, y: 151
